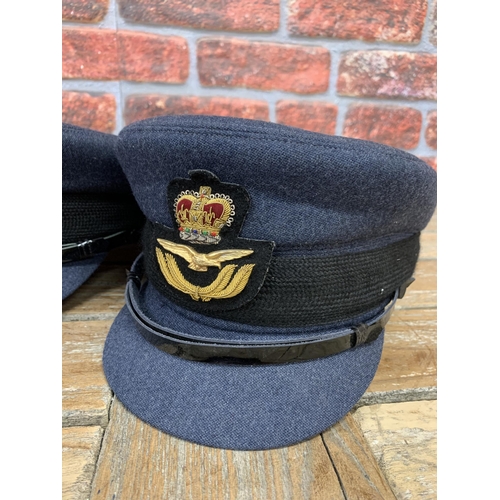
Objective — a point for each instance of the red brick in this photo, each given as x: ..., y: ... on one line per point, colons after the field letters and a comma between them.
x: 383, y: 73
x: 232, y: 15
x: 431, y: 130
x: 153, y: 58
x: 101, y: 54
x: 86, y: 11
x: 430, y: 160
x: 97, y: 112
x: 140, y: 107
x: 90, y: 53
x: 264, y: 66
x: 395, y: 126
x: 315, y: 116
x: 389, y: 20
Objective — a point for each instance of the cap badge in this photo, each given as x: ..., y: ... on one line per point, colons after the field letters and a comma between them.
x: 200, y: 217
x: 209, y: 213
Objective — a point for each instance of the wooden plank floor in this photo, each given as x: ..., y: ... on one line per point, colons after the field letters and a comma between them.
x: 385, y: 448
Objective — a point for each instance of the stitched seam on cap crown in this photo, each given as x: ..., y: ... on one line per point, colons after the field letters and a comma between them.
x: 198, y: 128
x: 256, y: 132
x: 245, y: 135
x: 72, y: 129
x: 266, y: 139
x: 289, y: 135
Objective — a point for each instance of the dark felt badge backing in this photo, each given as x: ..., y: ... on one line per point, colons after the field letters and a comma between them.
x: 202, y: 264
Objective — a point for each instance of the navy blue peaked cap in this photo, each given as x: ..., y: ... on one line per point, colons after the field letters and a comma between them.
x: 99, y: 211
x: 272, y: 260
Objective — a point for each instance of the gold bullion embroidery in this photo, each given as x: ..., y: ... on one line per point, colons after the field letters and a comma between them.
x: 201, y: 215
x: 201, y: 261
x: 224, y: 286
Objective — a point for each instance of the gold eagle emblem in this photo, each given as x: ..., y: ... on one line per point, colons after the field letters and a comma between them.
x: 224, y: 286
x: 202, y: 261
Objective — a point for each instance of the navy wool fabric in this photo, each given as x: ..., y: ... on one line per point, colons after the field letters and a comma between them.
x: 74, y: 274
x: 307, y: 190
x: 313, y: 195
x: 89, y: 166
x: 234, y: 407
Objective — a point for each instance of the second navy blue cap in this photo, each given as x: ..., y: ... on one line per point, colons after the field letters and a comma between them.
x: 272, y: 260
x: 99, y: 211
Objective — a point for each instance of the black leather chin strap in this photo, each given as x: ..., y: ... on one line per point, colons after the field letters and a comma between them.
x: 198, y: 349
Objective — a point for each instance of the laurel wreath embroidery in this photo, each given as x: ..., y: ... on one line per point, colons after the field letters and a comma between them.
x: 224, y: 286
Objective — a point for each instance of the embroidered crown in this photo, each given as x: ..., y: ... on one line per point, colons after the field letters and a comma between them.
x: 201, y: 215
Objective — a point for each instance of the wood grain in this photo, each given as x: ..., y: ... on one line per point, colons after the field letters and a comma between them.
x: 80, y: 447
x: 409, y: 356
x: 428, y: 245
x: 428, y: 240
x: 86, y: 395
x: 403, y: 439
x: 352, y: 457
x: 140, y: 462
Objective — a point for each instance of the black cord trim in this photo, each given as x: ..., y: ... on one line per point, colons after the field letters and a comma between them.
x: 88, y: 216
x: 301, y: 291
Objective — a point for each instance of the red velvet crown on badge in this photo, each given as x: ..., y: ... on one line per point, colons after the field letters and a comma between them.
x: 201, y: 215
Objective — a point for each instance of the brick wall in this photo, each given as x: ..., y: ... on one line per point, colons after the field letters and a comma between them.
x: 356, y: 68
